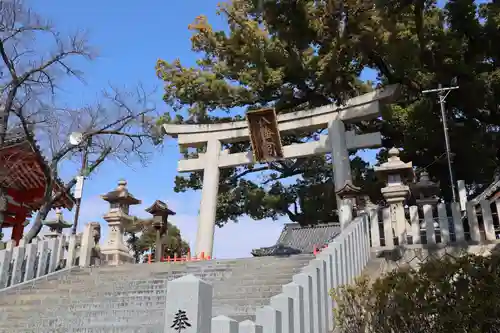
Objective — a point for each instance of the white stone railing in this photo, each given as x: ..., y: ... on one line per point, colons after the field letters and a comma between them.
x: 25, y: 262
x: 432, y: 225
x: 304, y: 306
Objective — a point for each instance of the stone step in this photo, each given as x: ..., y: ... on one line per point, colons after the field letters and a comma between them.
x: 246, y: 292
x: 195, y: 268
x: 148, y: 285
x: 203, y: 275
x: 219, y: 290
x: 85, y: 281
x: 77, y: 274
x: 126, y: 328
x: 241, y: 261
x: 131, y: 298
x: 118, y: 301
x: 101, y: 277
x: 124, y: 310
x: 128, y: 315
x: 238, y: 307
x: 117, y: 326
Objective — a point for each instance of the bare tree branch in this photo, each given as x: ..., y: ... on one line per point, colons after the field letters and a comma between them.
x: 119, y: 127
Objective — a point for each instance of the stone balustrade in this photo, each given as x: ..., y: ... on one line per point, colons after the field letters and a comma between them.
x: 436, y: 224
x: 304, y: 306
x: 29, y: 261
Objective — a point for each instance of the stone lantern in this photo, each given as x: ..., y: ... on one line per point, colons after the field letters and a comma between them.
x: 114, y: 250
x: 425, y: 191
x: 56, y: 225
x: 396, y: 172
x: 350, y: 193
x: 160, y: 213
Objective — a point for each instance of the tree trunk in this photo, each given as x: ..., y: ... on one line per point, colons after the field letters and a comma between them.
x: 38, y: 224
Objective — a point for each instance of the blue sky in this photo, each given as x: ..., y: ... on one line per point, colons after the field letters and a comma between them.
x: 130, y: 36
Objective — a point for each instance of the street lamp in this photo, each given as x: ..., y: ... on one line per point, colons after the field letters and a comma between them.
x: 442, y: 97
x: 76, y: 139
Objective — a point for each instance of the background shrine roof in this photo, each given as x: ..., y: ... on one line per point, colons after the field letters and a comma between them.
x: 295, y: 239
x: 490, y: 191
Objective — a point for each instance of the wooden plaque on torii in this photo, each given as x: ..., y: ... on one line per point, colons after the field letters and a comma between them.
x: 264, y: 135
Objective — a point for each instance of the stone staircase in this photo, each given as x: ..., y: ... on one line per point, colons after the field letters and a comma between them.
x: 131, y: 298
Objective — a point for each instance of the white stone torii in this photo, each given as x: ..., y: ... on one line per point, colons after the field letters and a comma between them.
x: 338, y: 142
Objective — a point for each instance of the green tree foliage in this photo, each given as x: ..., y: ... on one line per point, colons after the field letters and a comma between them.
x: 446, y: 294
x: 298, y: 54
x: 142, y: 237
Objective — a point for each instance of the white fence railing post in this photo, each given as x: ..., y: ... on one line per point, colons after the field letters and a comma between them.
x: 475, y: 236
x: 70, y: 259
x: 415, y: 225
x: 306, y: 282
x: 284, y: 304
x: 457, y: 222
x: 249, y: 326
x: 444, y: 228
x: 387, y: 223
x: 296, y: 292
x: 316, y: 269
x: 489, y: 228
x: 269, y: 319
x: 5, y: 261
x: 54, y: 252
x: 430, y: 234
x: 223, y: 324
x: 18, y: 257
x: 43, y: 249
x: 61, y: 250
x: 374, y: 228
x: 31, y: 258
x: 327, y: 256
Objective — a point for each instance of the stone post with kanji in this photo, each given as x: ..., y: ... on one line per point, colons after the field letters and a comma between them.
x: 396, y: 173
x: 114, y: 250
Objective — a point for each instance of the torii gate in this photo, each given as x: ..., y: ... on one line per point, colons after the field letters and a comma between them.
x: 338, y: 142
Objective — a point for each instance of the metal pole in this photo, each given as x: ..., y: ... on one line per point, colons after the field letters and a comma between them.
x: 446, y: 140
x: 79, y: 200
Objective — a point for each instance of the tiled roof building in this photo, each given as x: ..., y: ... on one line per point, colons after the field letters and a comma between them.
x: 295, y: 239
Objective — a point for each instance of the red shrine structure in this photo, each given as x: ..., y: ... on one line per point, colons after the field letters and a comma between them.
x: 23, y: 182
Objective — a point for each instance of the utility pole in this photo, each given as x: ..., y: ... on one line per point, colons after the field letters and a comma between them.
x: 79, y: 189
x: 442, y: 94
x: 76, y: 139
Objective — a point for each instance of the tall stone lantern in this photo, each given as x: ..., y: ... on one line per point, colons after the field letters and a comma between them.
x: 425, y: 190
x: 114, y: 250
x: 160, y: 212
x: 395, y: 173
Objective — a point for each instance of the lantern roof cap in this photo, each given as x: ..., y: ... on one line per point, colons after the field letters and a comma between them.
x: 349, y: 190
x: 121, y: 195
x: 159, y: 208
x: 395, y: 165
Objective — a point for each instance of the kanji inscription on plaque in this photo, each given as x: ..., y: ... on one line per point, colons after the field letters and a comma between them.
x: 264, y: 135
